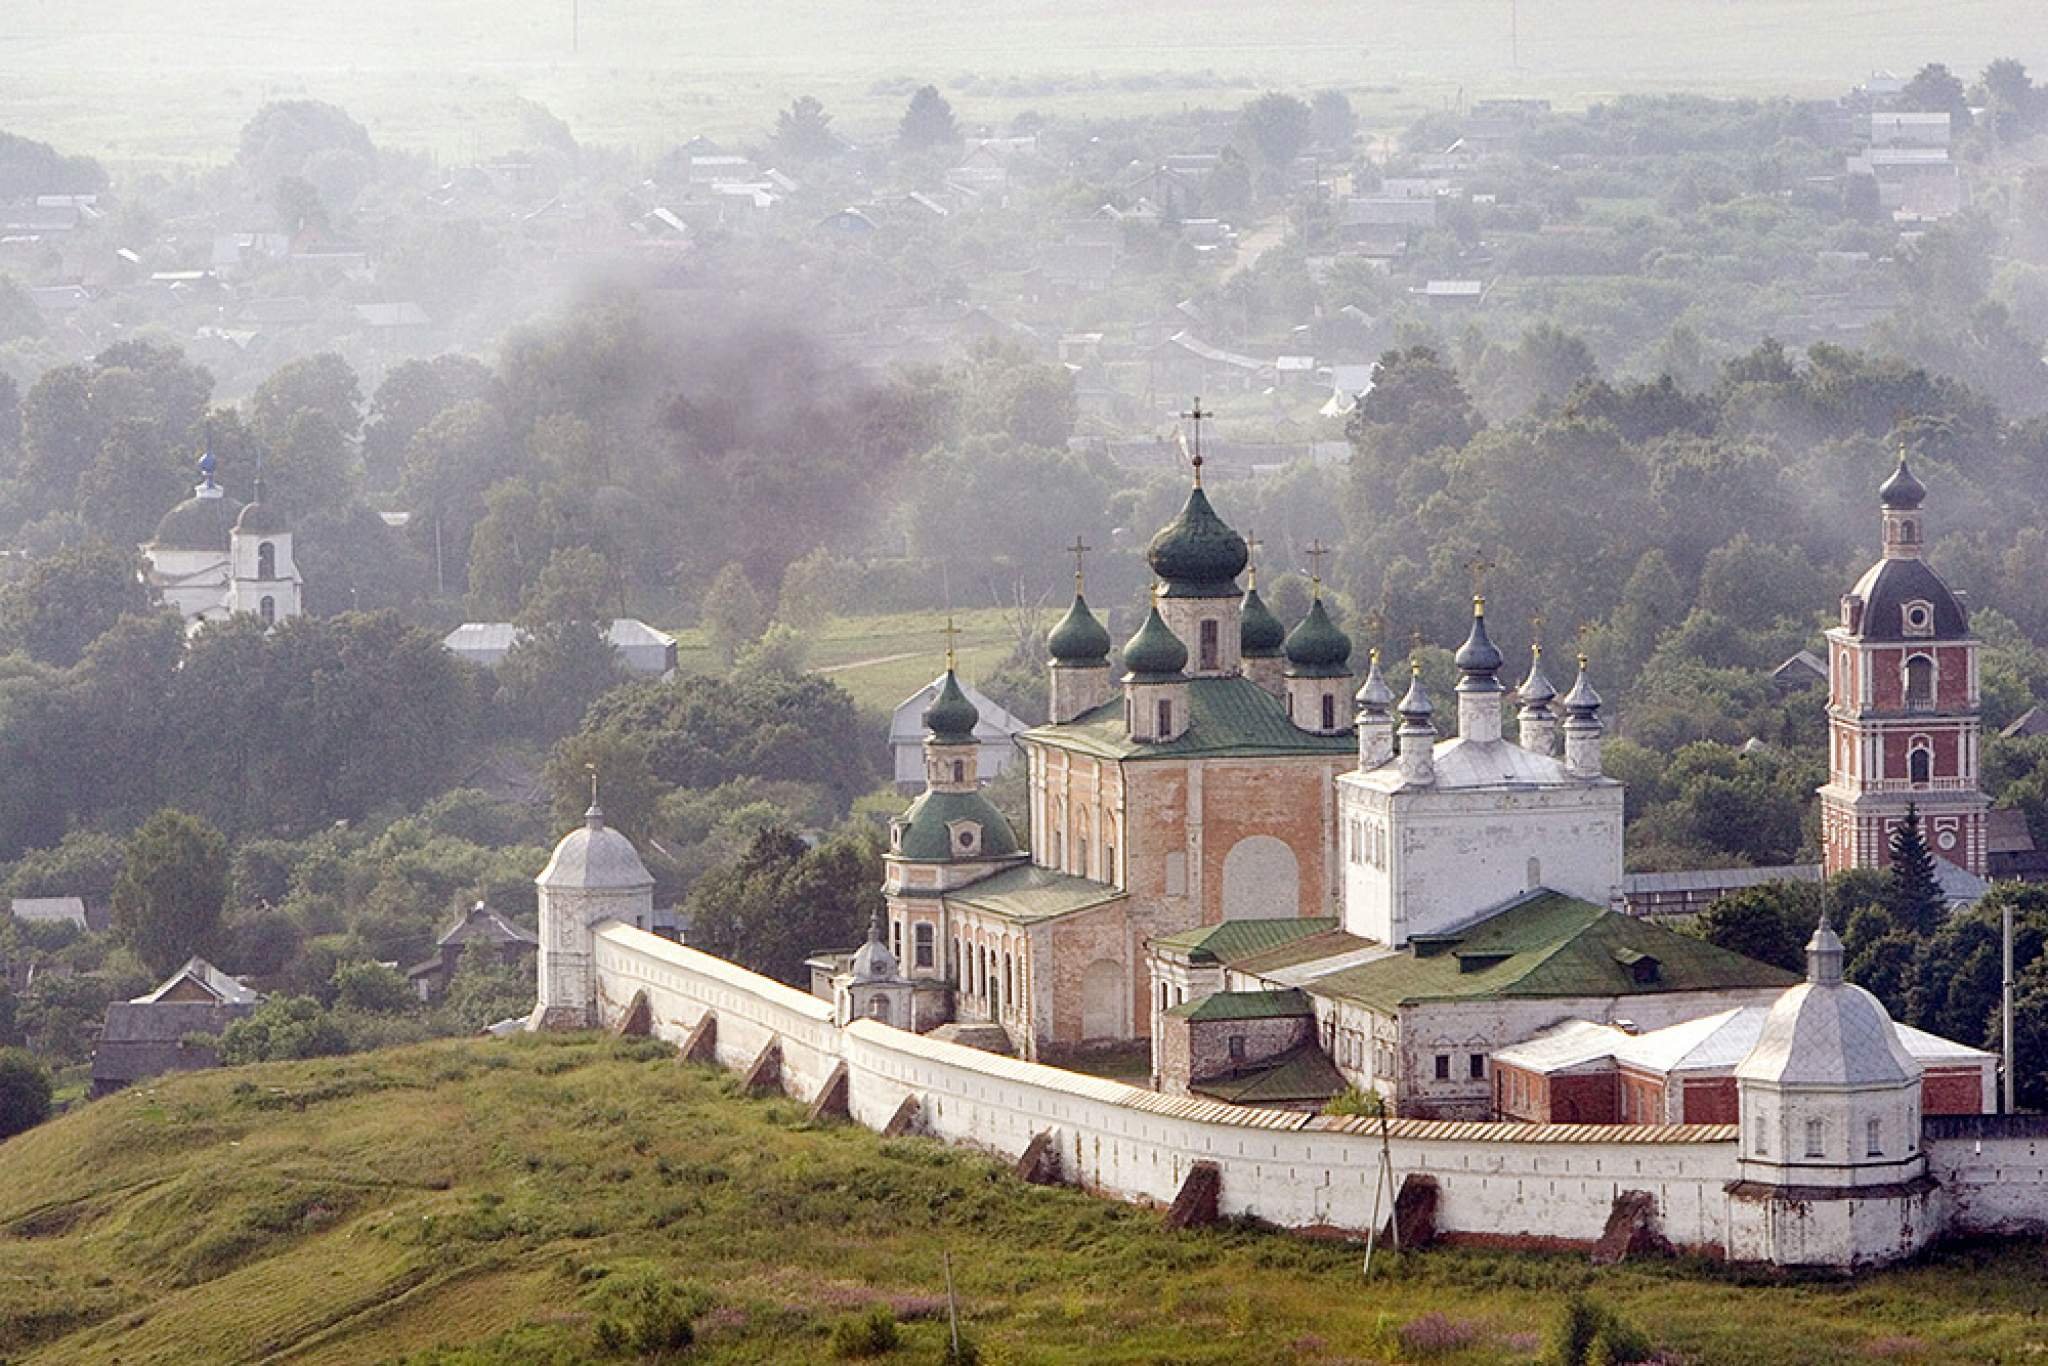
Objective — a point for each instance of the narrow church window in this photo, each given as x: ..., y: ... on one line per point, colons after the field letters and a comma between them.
x: 1873, y: 1135
x: 1081, y: 855
x: 1009, y: 982
x: 1815, y: 1147
x: 1443, y: 1067
x: 1763, y: 1137
x: 266, y: 561
x: 923, y: 940
x: 1920, y: 764
x: 1477, y: 1065
x: 1165, y: 718
x: 1209, y: 652
x: 1919, y: 681
x: 267, y: 609
x: 1329, y: 712
x: 959, y: 771
x: 1237, y: 1048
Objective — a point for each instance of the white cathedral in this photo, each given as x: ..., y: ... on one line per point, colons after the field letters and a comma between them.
x: 213, y: 557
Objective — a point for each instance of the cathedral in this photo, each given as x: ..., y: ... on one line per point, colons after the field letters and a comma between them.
x: 1291, y: 888
x: 212, y: 557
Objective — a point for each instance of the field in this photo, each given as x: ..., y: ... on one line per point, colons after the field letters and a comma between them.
x: 144, y: 81
x: 509, y: 1193
x: 883, y: 659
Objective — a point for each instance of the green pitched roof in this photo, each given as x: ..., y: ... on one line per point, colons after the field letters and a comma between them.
x: 1244, y: 1005
x: 1547, y: 945
x: 1231, y: 940
x: 1302, y: 1073
x: 1034, y: 893
x: 927, y: 833
x: 1228, y: 718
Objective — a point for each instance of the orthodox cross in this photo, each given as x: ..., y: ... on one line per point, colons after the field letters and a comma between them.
x: 1478, y: 568
x: 1077, y: 550
x: 1536, y: 635
x: 1316, y: 553
x: 950, y: 632
x: 1252, y: 546
x: 1376, y: 626
x: 591, y: 769
x: 1196, y: 417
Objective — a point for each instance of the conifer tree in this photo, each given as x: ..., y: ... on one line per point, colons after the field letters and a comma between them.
x: 1917, y: 894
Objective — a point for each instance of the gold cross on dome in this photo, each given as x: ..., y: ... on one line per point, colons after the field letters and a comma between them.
x: 1077, y: 550
x: 1478, y: 568
x: 1317, y: 552
x: 1252, y: 546
x: 951, y: 632
x: 1196, y: 416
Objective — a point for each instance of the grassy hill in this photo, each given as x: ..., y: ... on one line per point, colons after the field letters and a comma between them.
x: 508, y: 1196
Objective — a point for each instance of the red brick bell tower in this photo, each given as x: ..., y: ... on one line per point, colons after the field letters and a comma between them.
x: 1902, y: 705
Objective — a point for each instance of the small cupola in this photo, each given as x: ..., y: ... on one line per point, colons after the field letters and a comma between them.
x: 1538, y: 719
x: 1375, y: 721
x: 1582, y: 727
x: 1078, y: 650
x: 1155, y: 682
x: 1318, y: 671
x: 1260, y: 637
x: 1479, y: 688
x: 952, y: 754
x: 1418, y: 730
x: 1900, y: 498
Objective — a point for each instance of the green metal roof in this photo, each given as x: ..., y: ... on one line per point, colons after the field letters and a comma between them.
x: 1034, y: 893
x: 928, y: 835
x: 1244, y: 1005
x: 1546, y: 945
x: 1228, y: 718
x: 1327, y: 944
x: 1302, y: 1073
x: 951, y: 718
x: 1231, y: 940
x: 1078, y: 638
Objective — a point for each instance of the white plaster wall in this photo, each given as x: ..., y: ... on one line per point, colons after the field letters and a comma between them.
x: 1994, y: 1185
x: 1452, y: 853
x: 1291, y: 1169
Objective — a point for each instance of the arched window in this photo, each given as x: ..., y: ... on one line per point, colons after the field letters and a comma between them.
x: 1209, y: 647
x: 1329, y: 712
x: 1919, y: 681
x: 921, y: 936
x: 1920, y: 765
x: 1165, y: 718
x: 267, y: 609
x: 266, y: 561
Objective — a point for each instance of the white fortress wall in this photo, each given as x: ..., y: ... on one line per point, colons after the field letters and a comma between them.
x: 1994, y: 1170
x: 1495, y: 1180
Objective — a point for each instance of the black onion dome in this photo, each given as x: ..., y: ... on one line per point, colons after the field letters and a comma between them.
x: 951, y: 718
x: 1078, y: 638
x: 1537, y: 690
x: 1197, y: 555
x: 1316, y: 648
x: 1479, y: 659
x: 198, y: 524
x: 1582, y: 703
x: 1155, y: 654
x: 1890, y: 586
x: 1259, y: 632
x: 1902, y: 490
x: 1415, y: 706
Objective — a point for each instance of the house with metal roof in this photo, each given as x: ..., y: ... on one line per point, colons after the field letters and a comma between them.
x: 171, y: 1029
x: 479, y: 930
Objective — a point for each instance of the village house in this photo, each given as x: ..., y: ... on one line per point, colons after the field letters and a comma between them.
x: 172, y: 1029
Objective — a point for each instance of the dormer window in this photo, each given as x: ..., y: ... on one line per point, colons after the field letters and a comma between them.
x: 1916, y: 618
x: 896, y: 829
x: 966, y: 836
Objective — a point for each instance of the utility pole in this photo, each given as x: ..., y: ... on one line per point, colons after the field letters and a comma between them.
x: 2005, y: 1002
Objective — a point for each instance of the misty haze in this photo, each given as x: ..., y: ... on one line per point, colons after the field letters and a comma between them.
x: 1094, y: 682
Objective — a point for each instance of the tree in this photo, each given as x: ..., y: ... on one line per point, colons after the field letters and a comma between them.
x: 814, y: 590
x: 628, y: 789
x: 1917, y: 897
x: 282, y: 1029
x: 372, y: 987
x: 285, y: 135
x: 412, y: 394
x: 1331, y: 122
x: 324, y: 383
x: 297, y: 201
x: 66, y: 601
x: 1770, y: 923
x: 928, y: 121
x: 1277, y: 126
x: 1934, y: 89
x: 19, y: 316
x: 733, y: 613
x: 780, y: 900
x: 168, y: 899
x: 563, y: 659
x: 486, y: 990
x: 24, y: 1092
x: 804, y: 130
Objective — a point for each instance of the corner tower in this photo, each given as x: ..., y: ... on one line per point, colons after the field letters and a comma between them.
x: 1903, y: 727
x: 594, y: 875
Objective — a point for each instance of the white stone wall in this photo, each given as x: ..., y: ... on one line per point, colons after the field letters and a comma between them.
x: 1431, y: 859
x: 1507, y: 1182
x: 1994, y: 1185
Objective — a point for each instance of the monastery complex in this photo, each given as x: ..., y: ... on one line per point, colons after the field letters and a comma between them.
x: 1293, y: 885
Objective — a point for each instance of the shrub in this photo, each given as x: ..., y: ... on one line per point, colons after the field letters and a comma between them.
x: 871, y: 1334
x: 24, y: 1092
x: 371, y: 987
x: 1588, y: 1333
x: 647, y: 1315
x: 1435, y: 1334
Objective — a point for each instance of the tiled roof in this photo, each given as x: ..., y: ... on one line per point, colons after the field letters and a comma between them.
x: 1244, y: 1005
x: 1302, y: 1073
x: 1033, y: 893
x: 1234, y: 940
x: 1548, y: 945
x: 1228, y: 718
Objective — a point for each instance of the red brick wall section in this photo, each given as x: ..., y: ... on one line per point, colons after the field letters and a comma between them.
x: 1952, y: 1091
x: 1281, y: 798
x: 1710, y: 1101
x: 1587, y: 1099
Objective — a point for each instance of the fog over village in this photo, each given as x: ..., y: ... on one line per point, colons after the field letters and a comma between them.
x: 1147, y: 682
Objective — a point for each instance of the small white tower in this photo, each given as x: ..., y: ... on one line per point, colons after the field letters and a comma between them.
x: 263, y: 579
x: 595, y: 875
x: 1418, y: 732
x: 1582, y: 727
x: 1375, y: 720
x: 1479, y: 689
x: 1537, y: 731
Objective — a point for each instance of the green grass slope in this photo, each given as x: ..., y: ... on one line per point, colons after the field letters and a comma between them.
x: 483, y: 1202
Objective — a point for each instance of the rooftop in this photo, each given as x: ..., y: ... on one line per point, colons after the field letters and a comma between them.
x: 1233, y: 940
x: 1545, y: 944
x: 1244, y: 1005
x: 1229, y: 718
x: 1032, y: 893
x: 1300, y: 1074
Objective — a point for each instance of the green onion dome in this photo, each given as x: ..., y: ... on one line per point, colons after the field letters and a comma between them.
x: 1155, y: 654
x: 1316, y: 648
x: 1259, y: 633
x: 951, y: 718
x: 1078, y: 640
x: 1196, y: 555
